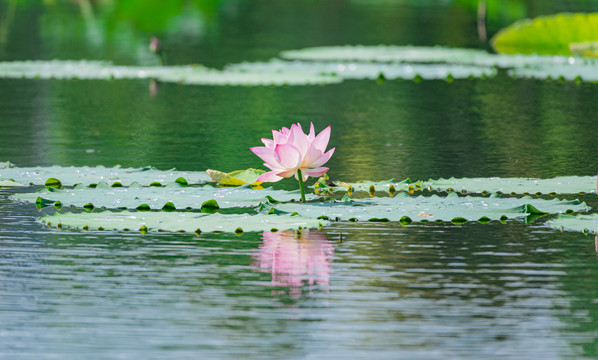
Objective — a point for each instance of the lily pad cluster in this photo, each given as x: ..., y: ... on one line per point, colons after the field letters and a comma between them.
x: 420, y: 63
x: 141, y: 199
x: 148, y: 199
x: 513, y: 186
x: 406, y: 209
x: 170, y: 197
x: 12, y: 176
x: 552, y: 186
x: 560, y: 46
x: 371, y: 69
x: 186, y: 75
x: 178, y: 222
x: 334, y: 64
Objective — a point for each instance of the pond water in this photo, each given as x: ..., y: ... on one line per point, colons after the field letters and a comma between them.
x: 357, y: 291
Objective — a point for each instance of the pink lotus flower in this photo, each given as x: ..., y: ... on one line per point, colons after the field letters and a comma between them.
x: 292, y: 152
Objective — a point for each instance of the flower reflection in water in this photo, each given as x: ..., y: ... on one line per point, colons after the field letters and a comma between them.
x: 296, y: 259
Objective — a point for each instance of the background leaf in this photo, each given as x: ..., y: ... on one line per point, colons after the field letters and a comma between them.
x: 549, y: 35
x: 352, y: 61
x: 184, y: 74
x: 571, y: 72
x: 382, y: 53
x: 371, y: 70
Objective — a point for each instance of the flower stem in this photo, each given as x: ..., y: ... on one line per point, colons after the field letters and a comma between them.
x: 301, y: 186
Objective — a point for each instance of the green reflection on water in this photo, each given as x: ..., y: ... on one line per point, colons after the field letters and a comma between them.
x: 397, y: 129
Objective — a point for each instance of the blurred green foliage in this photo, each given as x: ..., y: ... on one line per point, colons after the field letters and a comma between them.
x: 120, y: 30
x: 108, y: 29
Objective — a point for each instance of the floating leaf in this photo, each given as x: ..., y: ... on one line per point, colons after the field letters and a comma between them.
x: 104, y: 196
x: 572, y: 72
x: 55, y: 69
x: 433, y: 208
x: 519, y: 60
x: 72, y: 175
x: 382, y: 53
x: 10, y: 184
x: 371, y: 70
x: 557, y: 185
x: 176, y: 221
x: 230, y: 78
x: 583, y: 223
x: 339, y: 60
x: 189, y: 74
x: 236, y: 178
x: 547, y: 34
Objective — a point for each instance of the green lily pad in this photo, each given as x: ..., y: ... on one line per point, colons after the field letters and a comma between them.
x: 547, y: 34
x: 433, y: 208
x: 557, y: 185
x: 186, y: 74
x: 72, y: 175
x: 339, y: 60
x: 571, y: 72
x: 10, y: 184
x: 238, y: 78
x: 371, y: 70
x: 518, y: 60
x: 176, y: 221
x: 236, y: 178
x: 104, y: 196
x: 583, y: 223
x: 382, y: 53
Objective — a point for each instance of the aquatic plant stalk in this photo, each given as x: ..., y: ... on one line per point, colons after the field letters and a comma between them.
x: 301, y: 185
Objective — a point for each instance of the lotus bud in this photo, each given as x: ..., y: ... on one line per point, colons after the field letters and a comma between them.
x: 155, y: 46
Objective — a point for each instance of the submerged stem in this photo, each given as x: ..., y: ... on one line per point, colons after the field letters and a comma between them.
x: 301, y: 186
